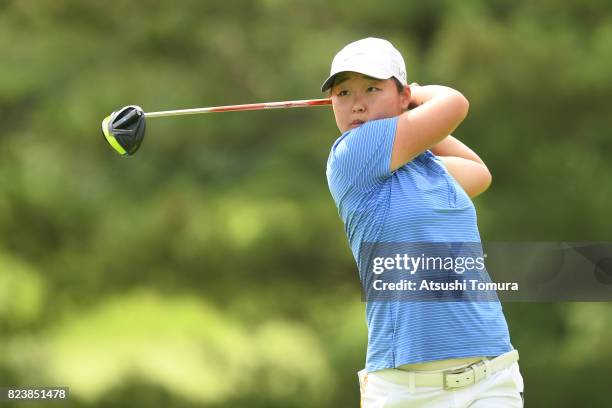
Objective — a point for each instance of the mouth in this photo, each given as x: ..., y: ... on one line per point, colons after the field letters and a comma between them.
x: 356, y: 123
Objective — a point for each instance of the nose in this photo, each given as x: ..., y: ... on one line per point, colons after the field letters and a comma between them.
x: 358, y: 107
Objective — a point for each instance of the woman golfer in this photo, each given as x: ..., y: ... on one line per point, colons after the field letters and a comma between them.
x: 396, y: 175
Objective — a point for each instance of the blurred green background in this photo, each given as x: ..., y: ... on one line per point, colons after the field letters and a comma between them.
x: 212, y: 269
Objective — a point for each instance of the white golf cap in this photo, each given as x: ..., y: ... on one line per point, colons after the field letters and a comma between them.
x: 373, y: 57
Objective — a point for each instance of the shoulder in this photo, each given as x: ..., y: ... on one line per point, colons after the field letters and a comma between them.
x: 378, y: 127
x: 369, y: 135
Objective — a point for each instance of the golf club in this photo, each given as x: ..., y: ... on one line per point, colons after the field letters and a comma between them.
x: 124, y: 129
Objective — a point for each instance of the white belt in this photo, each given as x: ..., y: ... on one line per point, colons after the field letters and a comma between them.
x: 453, y: 378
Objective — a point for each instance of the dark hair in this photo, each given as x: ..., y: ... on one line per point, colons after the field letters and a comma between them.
x: 398, y: 84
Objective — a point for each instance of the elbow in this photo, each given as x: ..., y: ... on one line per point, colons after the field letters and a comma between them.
x: 488, y: 180
x: 463, y: 105
x: 466, y: 105
x: 458, y: 107
x: 484, y: 183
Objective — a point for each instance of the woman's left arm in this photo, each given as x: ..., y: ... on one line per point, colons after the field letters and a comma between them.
x: 464, y: 165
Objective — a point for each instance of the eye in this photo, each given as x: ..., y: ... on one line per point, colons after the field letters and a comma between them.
x: 373, y: 89
x: 344, y: 92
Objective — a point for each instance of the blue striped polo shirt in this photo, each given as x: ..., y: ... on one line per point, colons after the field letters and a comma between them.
x: 419, y: 202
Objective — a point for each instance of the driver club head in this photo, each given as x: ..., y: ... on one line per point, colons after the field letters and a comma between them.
x: 124, y: 129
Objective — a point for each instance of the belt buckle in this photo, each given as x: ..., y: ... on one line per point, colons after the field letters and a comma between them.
x: 460, y: 382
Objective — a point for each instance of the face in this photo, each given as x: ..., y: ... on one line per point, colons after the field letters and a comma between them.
x: 357, y: 98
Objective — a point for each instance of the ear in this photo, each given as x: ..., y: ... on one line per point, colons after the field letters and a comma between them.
x: 405, y: 97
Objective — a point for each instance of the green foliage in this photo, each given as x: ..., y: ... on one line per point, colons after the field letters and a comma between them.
x: 182, y: 345
x: 211, y: 269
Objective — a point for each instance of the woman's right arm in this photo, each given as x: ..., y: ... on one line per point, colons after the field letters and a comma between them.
x: 439, y: 111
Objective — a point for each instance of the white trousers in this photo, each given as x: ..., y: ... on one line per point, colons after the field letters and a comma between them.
x: 502, y: 389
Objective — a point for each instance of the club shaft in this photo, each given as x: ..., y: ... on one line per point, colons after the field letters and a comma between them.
x: 245, y: 107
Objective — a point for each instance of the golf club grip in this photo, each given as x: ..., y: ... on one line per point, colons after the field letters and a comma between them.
x: 250, y: 106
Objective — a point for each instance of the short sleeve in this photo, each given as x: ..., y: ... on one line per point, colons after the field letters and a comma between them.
x: 362, y: 157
